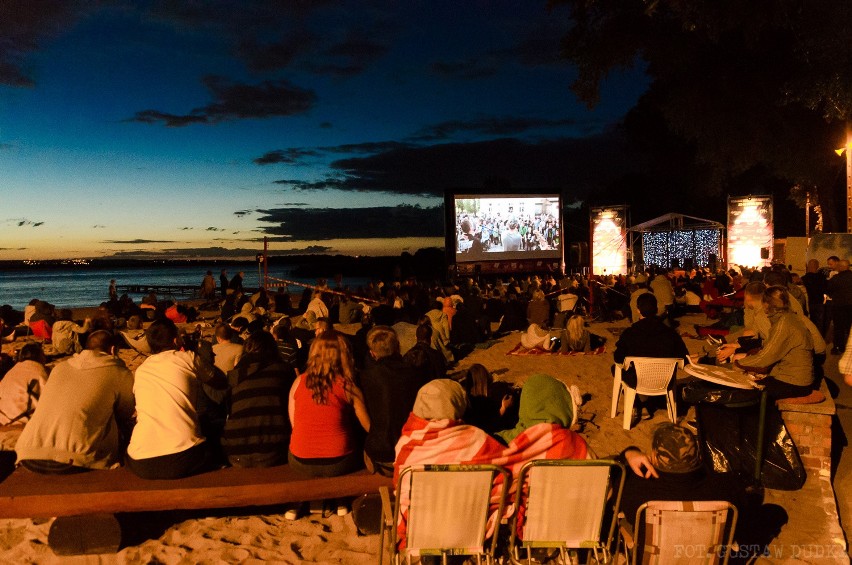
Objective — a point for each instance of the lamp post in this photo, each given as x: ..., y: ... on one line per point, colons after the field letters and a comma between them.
x: 848, y: 150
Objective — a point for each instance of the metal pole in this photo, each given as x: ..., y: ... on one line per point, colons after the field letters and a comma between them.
x: 848, y: 178
x: 807, y: 214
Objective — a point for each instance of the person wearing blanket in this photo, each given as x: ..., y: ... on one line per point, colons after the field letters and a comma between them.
x: 434, y: 434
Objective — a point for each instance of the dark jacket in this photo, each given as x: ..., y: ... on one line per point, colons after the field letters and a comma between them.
x: 390, y: 387
x: 427, y: 362
x: 840, y: 288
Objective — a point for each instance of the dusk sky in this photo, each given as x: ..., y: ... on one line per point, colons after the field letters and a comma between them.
x: 178, y: 129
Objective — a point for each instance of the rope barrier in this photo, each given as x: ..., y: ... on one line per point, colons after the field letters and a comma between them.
x: 325, y: 289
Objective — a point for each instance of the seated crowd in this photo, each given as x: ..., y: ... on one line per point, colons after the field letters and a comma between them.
x: 267, y: 392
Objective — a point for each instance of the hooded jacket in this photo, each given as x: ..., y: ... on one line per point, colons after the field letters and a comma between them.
x: 83, y: 407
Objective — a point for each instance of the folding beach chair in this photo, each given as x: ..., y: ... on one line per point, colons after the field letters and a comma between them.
x: 563, y: 503
x: 447, y: 513
x: 137, y: 341
x: 680, y: 532
x: 654, y: 377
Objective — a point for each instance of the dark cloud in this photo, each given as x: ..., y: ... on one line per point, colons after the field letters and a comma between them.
x: 169, y: 120
x: 135, y: 241
x: 213, y: 228
x: 233, y: 101
x: 300, y: 224
x: 365, y: 147
x: 24, y: 222
x: 329, y: 184
x: 185, y: 228
x: 470, y: 69
x: 349, y: 57
x: 279, y: 54
x: 289, y: 156
x: 190, y: 253
x: 325, y: 125
x: 24, y: 26
x: 495, y: 126
x: 241, y: 213
x: 578, y: 165
x: 98, y: 226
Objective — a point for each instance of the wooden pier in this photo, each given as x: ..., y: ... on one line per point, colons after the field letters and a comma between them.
x: 188, y: 291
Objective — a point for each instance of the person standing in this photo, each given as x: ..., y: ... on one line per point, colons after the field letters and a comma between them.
x: 511, y: 237
x: 113, y: 291
x: 840, y: 291
x: 816, y: 287
x: 223, y: 282
x: 236, y: 284
x: 208, y: 286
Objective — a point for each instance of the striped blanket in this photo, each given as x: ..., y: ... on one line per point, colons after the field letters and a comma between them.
x: 425, y: 442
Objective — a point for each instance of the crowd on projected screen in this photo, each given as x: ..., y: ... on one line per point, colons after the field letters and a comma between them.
x: 495, y: 234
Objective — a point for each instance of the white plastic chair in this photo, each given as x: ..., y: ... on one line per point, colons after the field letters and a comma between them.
x: 448, y: 510
x: 681, y: 532
x: 654, y: 376
x: 564, y: 504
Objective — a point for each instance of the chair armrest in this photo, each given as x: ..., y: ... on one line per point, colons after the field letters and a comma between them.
x: 387, y: 507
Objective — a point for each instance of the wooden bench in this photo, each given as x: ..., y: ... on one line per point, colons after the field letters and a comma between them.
x: 90, y: 499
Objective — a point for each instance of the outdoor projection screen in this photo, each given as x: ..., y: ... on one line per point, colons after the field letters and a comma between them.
x: 491, y: 227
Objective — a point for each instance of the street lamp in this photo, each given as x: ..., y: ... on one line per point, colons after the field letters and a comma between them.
x: 848, y: 150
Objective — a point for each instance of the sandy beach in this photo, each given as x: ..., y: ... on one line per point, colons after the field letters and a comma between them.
x: 244, y: 537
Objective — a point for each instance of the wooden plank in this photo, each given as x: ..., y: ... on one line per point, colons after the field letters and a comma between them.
x: 28, y: 495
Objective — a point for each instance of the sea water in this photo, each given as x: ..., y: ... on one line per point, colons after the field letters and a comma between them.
x: 75, y: 286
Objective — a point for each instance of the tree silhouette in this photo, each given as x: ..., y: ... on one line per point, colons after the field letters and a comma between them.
x: 747, y: 85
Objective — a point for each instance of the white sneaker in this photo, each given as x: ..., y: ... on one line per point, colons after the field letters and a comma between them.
x: 291, y: 513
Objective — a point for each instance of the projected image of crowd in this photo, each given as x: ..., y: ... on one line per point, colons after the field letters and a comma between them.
x: 494, y: 234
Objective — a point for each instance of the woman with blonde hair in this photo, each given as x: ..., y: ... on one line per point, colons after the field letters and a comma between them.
x: 576, y: 336
x: 538, y: 309
x: 324, y: 406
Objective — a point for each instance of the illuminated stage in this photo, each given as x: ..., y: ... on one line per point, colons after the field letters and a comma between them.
x: 680, y: 241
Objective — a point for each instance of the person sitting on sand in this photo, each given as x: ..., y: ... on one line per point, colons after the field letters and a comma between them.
x: 426, y: 361
x: 390, y: 386
x: 22, y: 385
x: 167, y: 441
x: 66, y: 333
x: 492, y: 406
x: 324, y: 406
x: 85, y: 413
x: 576, y: 337
x: 257, y: 431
